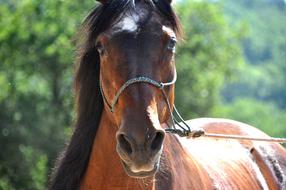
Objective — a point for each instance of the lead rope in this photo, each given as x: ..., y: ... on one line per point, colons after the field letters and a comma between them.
x: 195, y: 133
x: 187, y: 131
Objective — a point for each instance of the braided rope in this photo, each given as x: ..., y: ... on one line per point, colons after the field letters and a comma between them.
x: 140, y: 79
x: 195, y: 133
x: 240, y: 137
x: 128, y: 83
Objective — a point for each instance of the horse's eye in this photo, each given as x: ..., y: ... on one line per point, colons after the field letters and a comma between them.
x: 172, y: 44
x: 99, y: 47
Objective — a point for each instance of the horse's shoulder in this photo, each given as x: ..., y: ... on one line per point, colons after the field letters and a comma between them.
x: 228, y: 163
x: 259, y: 160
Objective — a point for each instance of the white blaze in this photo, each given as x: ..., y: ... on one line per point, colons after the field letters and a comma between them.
x: 128, y: 23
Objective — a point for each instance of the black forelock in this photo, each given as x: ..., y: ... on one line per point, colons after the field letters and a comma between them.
x: 103, y: 16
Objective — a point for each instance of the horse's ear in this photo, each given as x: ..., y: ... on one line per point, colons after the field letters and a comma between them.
x: 102, y: 1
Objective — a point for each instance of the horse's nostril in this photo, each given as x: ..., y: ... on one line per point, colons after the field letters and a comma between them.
x: 157, y: 141
x: 124, y: 144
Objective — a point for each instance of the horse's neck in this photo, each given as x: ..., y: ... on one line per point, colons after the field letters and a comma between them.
x: 180, y: 169
x: 104, y: 170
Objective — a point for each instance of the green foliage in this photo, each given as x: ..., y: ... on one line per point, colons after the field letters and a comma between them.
x: 36, y: 54
x: 264, y: 50
x: 5, y: 184
x: 38, y: 172
x: 264, y: 115
x: 209, y: 55
x: 259, y: 93
x: 24, y: 169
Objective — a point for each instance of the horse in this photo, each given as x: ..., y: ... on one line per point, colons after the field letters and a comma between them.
x: 124, y: 87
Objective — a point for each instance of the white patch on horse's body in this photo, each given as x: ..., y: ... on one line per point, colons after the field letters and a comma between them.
x: 129, y: 23
x: 269, y: 156
x: 212, y: 153
x: 260, y: 176
x: 168, y: 31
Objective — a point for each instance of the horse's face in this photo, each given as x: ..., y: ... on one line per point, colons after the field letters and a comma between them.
x: 139, y: 43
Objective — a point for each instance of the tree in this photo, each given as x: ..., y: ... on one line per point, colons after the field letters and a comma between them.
x: 264, y: 47
x: 259, y: 93
x: 264, y: 115
x: 36, y: 54
x: 207, y: 57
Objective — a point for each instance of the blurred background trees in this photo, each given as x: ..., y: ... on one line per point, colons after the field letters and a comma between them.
x: 258, y: 95
x: 231, y: 64
x: 36, y: 53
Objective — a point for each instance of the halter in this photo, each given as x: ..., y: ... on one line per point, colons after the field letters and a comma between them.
x: 184, y: 131
x: 140, y: 79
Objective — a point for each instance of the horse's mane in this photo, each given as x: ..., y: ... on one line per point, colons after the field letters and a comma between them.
x: 72, y: 163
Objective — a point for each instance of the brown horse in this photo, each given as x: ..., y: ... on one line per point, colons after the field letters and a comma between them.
x: 124, y: 91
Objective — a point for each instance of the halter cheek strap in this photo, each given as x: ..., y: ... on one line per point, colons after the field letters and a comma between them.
x: 185, y: 128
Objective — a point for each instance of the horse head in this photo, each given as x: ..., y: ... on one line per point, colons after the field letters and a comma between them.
x: 136, y: 55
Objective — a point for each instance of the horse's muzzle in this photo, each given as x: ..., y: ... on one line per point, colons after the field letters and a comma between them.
x: 140, y: 158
